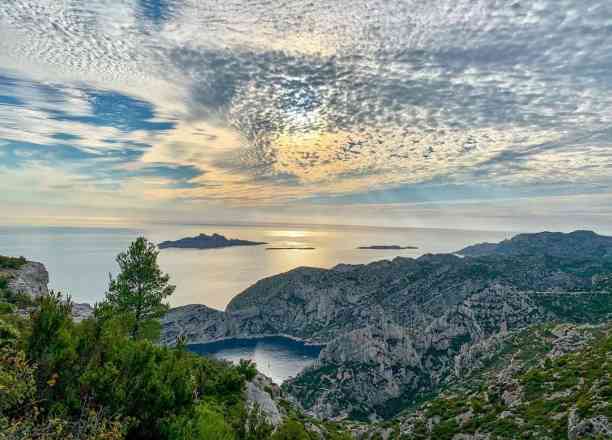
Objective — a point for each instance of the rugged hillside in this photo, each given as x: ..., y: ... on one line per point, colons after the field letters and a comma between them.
x: 548, y: 381
x: 21, y: 281
x: 394, y: 329
x: 577, y: 243
x: 19, y: 276
x: 195, y: 322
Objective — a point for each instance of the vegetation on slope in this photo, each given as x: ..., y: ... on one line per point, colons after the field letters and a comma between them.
x: 8, y: 266
x: 546, y: 382
x: 12, y: 262
x: 106, y: 378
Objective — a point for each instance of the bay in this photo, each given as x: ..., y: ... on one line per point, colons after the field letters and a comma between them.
x: 277, y: 357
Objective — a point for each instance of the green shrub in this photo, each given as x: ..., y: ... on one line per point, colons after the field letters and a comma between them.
x: 12, y: 262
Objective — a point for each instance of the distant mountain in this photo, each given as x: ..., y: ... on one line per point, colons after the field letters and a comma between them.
x: 204, y: 241
x: 576, y: 244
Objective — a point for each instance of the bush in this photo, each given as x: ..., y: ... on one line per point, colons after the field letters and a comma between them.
x: 247, y: 368
x: 12, y: 262
x: 206, y: 423
x: 291, y: 430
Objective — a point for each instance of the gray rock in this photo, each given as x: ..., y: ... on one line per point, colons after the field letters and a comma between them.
x: 595, y: 427
x: 260, y: 392
x: 32, y: 279
x: 197, y: 323
x: 81, y: 311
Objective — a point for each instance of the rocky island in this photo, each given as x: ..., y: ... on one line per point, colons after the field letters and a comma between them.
x: 204, y: 241
x: 393, y: 247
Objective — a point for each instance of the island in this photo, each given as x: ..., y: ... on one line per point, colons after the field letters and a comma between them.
x: 204, y: 241
x: 393, y: 247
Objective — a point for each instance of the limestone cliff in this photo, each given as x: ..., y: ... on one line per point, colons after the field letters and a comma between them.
x: 30, y: 278
x: 395, y: 329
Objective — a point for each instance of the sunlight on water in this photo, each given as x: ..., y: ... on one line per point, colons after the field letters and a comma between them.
x: 277, y: 357
x: 80, y: 259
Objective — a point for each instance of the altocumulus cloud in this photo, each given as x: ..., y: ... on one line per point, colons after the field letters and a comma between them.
x: 263, y: 102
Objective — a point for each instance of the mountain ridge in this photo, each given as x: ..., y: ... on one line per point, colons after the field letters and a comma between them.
x: 393, y: 329
x: 580, y: 242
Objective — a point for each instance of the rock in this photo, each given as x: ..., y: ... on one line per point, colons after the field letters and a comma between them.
x: 595, y: 427
x: 471, y: 437
x: 196, y: 322
x: 259, y: 392
x: 465, y: 417
x: 31, y: 279
x: 81, y: 311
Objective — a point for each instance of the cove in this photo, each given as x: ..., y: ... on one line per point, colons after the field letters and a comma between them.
x: 276, y: 356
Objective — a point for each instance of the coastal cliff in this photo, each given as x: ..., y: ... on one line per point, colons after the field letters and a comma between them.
x: 394, y: 330
x: 30, y: 279
x: 25, y: 277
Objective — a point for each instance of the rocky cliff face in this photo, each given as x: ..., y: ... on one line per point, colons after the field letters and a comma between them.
x: 31, y: 279
x: 546, y: 381
x: 197, y: 323
x: 394, y: 330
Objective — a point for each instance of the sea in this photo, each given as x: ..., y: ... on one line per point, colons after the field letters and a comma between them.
x: 81, y: 259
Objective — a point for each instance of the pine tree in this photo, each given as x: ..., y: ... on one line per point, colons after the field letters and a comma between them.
x: 140, y: 287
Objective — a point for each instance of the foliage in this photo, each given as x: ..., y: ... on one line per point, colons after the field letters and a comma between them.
x: 291, y: 430
x: 205, y: 423
x: 247, y: 368
x: 140, y: 287
x: 106, y: 378
x: 21, y: 416
x: 12, y: 262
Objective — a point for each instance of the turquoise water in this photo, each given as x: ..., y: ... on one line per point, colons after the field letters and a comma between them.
x: 276, y: 357
x: 79, y: 260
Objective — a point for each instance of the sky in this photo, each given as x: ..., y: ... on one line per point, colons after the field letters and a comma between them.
x: 477, y: 114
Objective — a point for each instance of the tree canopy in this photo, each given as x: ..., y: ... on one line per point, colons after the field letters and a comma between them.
x: 140, y: 287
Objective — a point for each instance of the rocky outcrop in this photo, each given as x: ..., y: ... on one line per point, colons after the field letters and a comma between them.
x: 396, y: 329
x: 263, y: 394
x: 30, y: 279
x: 196, y: 323
x: 593, y: 427
x: 81, y: 311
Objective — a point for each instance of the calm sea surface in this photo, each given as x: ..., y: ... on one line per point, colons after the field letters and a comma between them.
x: 277, y: 357
x: 79, y: 260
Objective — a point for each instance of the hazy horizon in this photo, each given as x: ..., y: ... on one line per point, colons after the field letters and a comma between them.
x: 80, y: 259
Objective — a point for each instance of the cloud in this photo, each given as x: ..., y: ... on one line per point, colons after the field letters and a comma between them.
x: 250, y: 103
